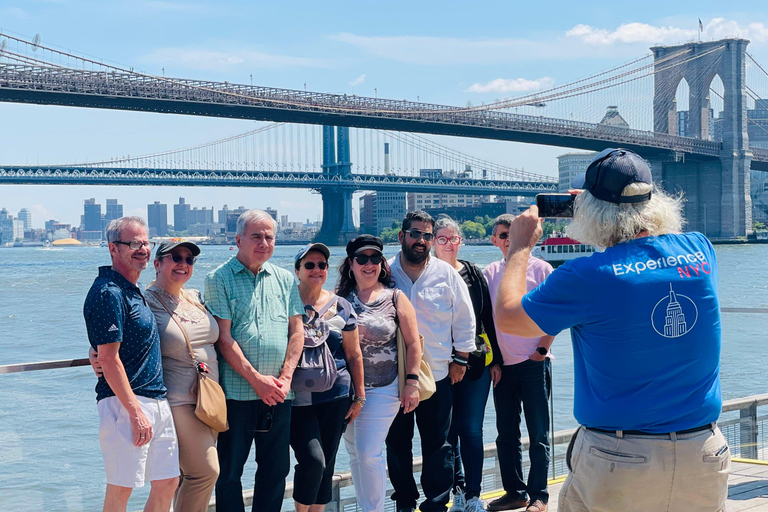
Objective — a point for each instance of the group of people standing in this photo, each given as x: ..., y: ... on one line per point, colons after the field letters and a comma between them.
x: 258, y: 318
x: 646, y: 393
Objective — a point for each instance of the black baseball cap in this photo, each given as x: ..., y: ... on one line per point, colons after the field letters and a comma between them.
x: 612, y: 170
x: 167, y: 246
x: 364, y: 243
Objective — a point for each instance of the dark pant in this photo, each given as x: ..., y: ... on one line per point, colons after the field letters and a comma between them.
x: 466, y: 434
x: 433, y: 417
x: 527, y: 383
x: 272, y: 456
x: 315, y: 435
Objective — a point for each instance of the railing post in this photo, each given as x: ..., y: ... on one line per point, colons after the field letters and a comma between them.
x: 748, y: 431
x: 335, y: 504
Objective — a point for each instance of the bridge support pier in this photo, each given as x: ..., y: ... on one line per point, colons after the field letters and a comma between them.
x: 338, y: 226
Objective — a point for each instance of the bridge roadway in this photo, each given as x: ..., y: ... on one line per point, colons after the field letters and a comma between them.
x: 41, y: 175
x: 130, y: 91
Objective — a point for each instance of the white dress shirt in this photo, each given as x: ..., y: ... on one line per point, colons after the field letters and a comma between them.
x: 443, y: 310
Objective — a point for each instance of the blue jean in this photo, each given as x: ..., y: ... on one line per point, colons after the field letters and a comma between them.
x: 466, y: 434
x: 272, y: 456
x: 527, y: 384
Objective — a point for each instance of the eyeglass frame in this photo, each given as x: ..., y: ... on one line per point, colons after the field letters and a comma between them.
x: 149, y: 244
x: 368, y: 257
x: 310, y: 265
x: 428, y: 236
x: 447, y: 239
x: 189, y: 260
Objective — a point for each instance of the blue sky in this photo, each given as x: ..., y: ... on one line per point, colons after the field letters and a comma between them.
x: 439, y: 51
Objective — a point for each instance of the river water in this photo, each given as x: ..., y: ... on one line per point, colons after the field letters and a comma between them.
x: 50, y: 458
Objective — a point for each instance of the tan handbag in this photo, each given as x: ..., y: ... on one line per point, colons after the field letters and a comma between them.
x: 427, y: 386
x: 211, y: 406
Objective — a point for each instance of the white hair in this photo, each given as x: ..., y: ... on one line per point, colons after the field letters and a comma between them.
x: 251, y: 216
x: 505, y: 219
x: 445, y: 221
x: 605, y: 224
x: 115, y: 227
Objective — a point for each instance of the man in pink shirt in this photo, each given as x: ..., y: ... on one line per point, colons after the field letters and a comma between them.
x: 525, y: 379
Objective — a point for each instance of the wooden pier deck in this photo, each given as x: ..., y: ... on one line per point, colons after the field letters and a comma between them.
x: 747, y: 488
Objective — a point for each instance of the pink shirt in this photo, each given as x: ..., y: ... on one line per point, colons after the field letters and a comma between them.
x: 516, y: 349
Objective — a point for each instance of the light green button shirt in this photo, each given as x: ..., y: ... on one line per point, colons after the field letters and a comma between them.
x: 259, y: 308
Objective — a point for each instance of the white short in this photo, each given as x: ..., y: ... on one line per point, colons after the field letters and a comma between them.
x: 127, y: 465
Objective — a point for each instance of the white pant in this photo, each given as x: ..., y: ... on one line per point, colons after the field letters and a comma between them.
x: 364, y: 439
x: 127, y: 465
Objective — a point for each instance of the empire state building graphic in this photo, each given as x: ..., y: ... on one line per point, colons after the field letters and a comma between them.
x: 674, y: 321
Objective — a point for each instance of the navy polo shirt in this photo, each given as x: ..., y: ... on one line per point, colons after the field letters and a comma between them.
x: 115, y: 311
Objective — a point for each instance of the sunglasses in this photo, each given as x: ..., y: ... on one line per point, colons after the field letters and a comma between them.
x: 416, y: 234
x: 362, y: 259
x: 442, y: 240
x: 310, y: 265
x: 178, y: 258
x: 502, y: 236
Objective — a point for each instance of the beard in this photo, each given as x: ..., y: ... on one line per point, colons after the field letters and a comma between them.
x: 415, y: 257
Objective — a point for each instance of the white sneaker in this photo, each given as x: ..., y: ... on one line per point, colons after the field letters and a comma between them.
x: 474, y: 505
x: 459, y: 502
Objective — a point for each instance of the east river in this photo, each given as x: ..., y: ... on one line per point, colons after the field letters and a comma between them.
x: 50, y: 458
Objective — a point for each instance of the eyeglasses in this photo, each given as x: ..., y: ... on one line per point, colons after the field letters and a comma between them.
x: 136, y: 244
x: 362, y: 259
x: 416, y: 234
x: 178, y: 258
x: 442, y: 240
x: 502, y: 236
x: 310, y: 265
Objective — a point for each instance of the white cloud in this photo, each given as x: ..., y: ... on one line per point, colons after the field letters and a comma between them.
x: 512, y: 85
x: 357, y: 81
x: 629, y: 33
x: 213, y: 60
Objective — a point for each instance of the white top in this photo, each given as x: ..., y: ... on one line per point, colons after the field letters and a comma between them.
x: 443, y: 311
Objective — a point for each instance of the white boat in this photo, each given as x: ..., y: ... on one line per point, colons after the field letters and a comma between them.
x: 558, y: 249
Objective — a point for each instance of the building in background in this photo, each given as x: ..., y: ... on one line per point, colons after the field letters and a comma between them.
x: 758, y: 138
x: 180, y: 212
x: 420, y: 201
x: 114, y: 210
x: 469, y: 212
x: 379, y: 209
x: 26, y: 217
x: 92, y: 225
x: 571, y: 168
x: 157, y: 219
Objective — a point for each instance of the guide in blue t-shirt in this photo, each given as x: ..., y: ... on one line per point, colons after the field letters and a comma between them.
x: 645, y: 324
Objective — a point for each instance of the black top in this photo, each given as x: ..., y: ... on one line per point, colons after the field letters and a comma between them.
x: 481, y: 302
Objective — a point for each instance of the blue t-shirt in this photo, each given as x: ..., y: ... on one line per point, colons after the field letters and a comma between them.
x: 340, y: 318
x: 115, y: 312
x: 645, y: 324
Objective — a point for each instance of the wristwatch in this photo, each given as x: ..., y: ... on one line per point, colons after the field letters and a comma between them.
x: 360, y: 400
x: 541, y: 350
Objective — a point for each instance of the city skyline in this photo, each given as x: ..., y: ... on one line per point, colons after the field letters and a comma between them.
x: 461, y: 55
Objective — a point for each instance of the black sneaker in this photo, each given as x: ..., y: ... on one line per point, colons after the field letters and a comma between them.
x: 506, y: 502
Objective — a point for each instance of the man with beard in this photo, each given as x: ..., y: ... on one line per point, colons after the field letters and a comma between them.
x: 447, y: 321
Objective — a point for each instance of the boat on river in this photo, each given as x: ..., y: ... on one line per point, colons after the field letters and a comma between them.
x: 558, y: 248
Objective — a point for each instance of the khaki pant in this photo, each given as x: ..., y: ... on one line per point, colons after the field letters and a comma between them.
x: 197, y: 458
x: 687, y: 472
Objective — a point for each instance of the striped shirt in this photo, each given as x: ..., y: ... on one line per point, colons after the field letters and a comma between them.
x: 259, y: 307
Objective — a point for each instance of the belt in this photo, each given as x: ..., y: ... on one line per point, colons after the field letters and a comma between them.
x: 622, y: 433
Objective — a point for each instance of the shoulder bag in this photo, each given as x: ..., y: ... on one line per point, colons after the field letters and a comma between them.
x: 316, y: 370
x: 211, y: 406
x: 427, y: 386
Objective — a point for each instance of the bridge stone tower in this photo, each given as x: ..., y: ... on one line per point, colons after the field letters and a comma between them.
x: 338, y: 227
x: 717, y: 191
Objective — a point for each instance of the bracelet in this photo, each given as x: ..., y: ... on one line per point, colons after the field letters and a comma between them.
x: 359, y: 400
x: 412, y: 376
x: 460, y: 361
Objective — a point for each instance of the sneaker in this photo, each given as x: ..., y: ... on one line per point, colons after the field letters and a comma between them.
x: 459, y: 502
x: 475, y: 505
x: 537, y: 506
x: 506, y: 502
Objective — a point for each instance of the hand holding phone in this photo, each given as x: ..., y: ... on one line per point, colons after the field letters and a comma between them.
x: 555, y: 205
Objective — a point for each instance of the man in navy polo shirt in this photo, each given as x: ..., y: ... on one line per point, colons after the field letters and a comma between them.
x: 645, y: 325
x: 136, y: 432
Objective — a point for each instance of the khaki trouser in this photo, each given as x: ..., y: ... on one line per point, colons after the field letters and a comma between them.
x: 197, y: 458
x: 687, y: 472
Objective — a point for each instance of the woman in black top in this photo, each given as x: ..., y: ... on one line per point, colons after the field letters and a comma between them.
x: 471, y: 394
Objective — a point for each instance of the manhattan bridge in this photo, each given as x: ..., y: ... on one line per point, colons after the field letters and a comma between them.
x: 697, y: 112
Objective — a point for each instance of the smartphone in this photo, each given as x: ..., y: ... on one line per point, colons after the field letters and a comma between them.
x: 555, y: 205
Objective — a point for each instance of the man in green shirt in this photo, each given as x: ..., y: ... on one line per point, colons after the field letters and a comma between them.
x: 261, y: 337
